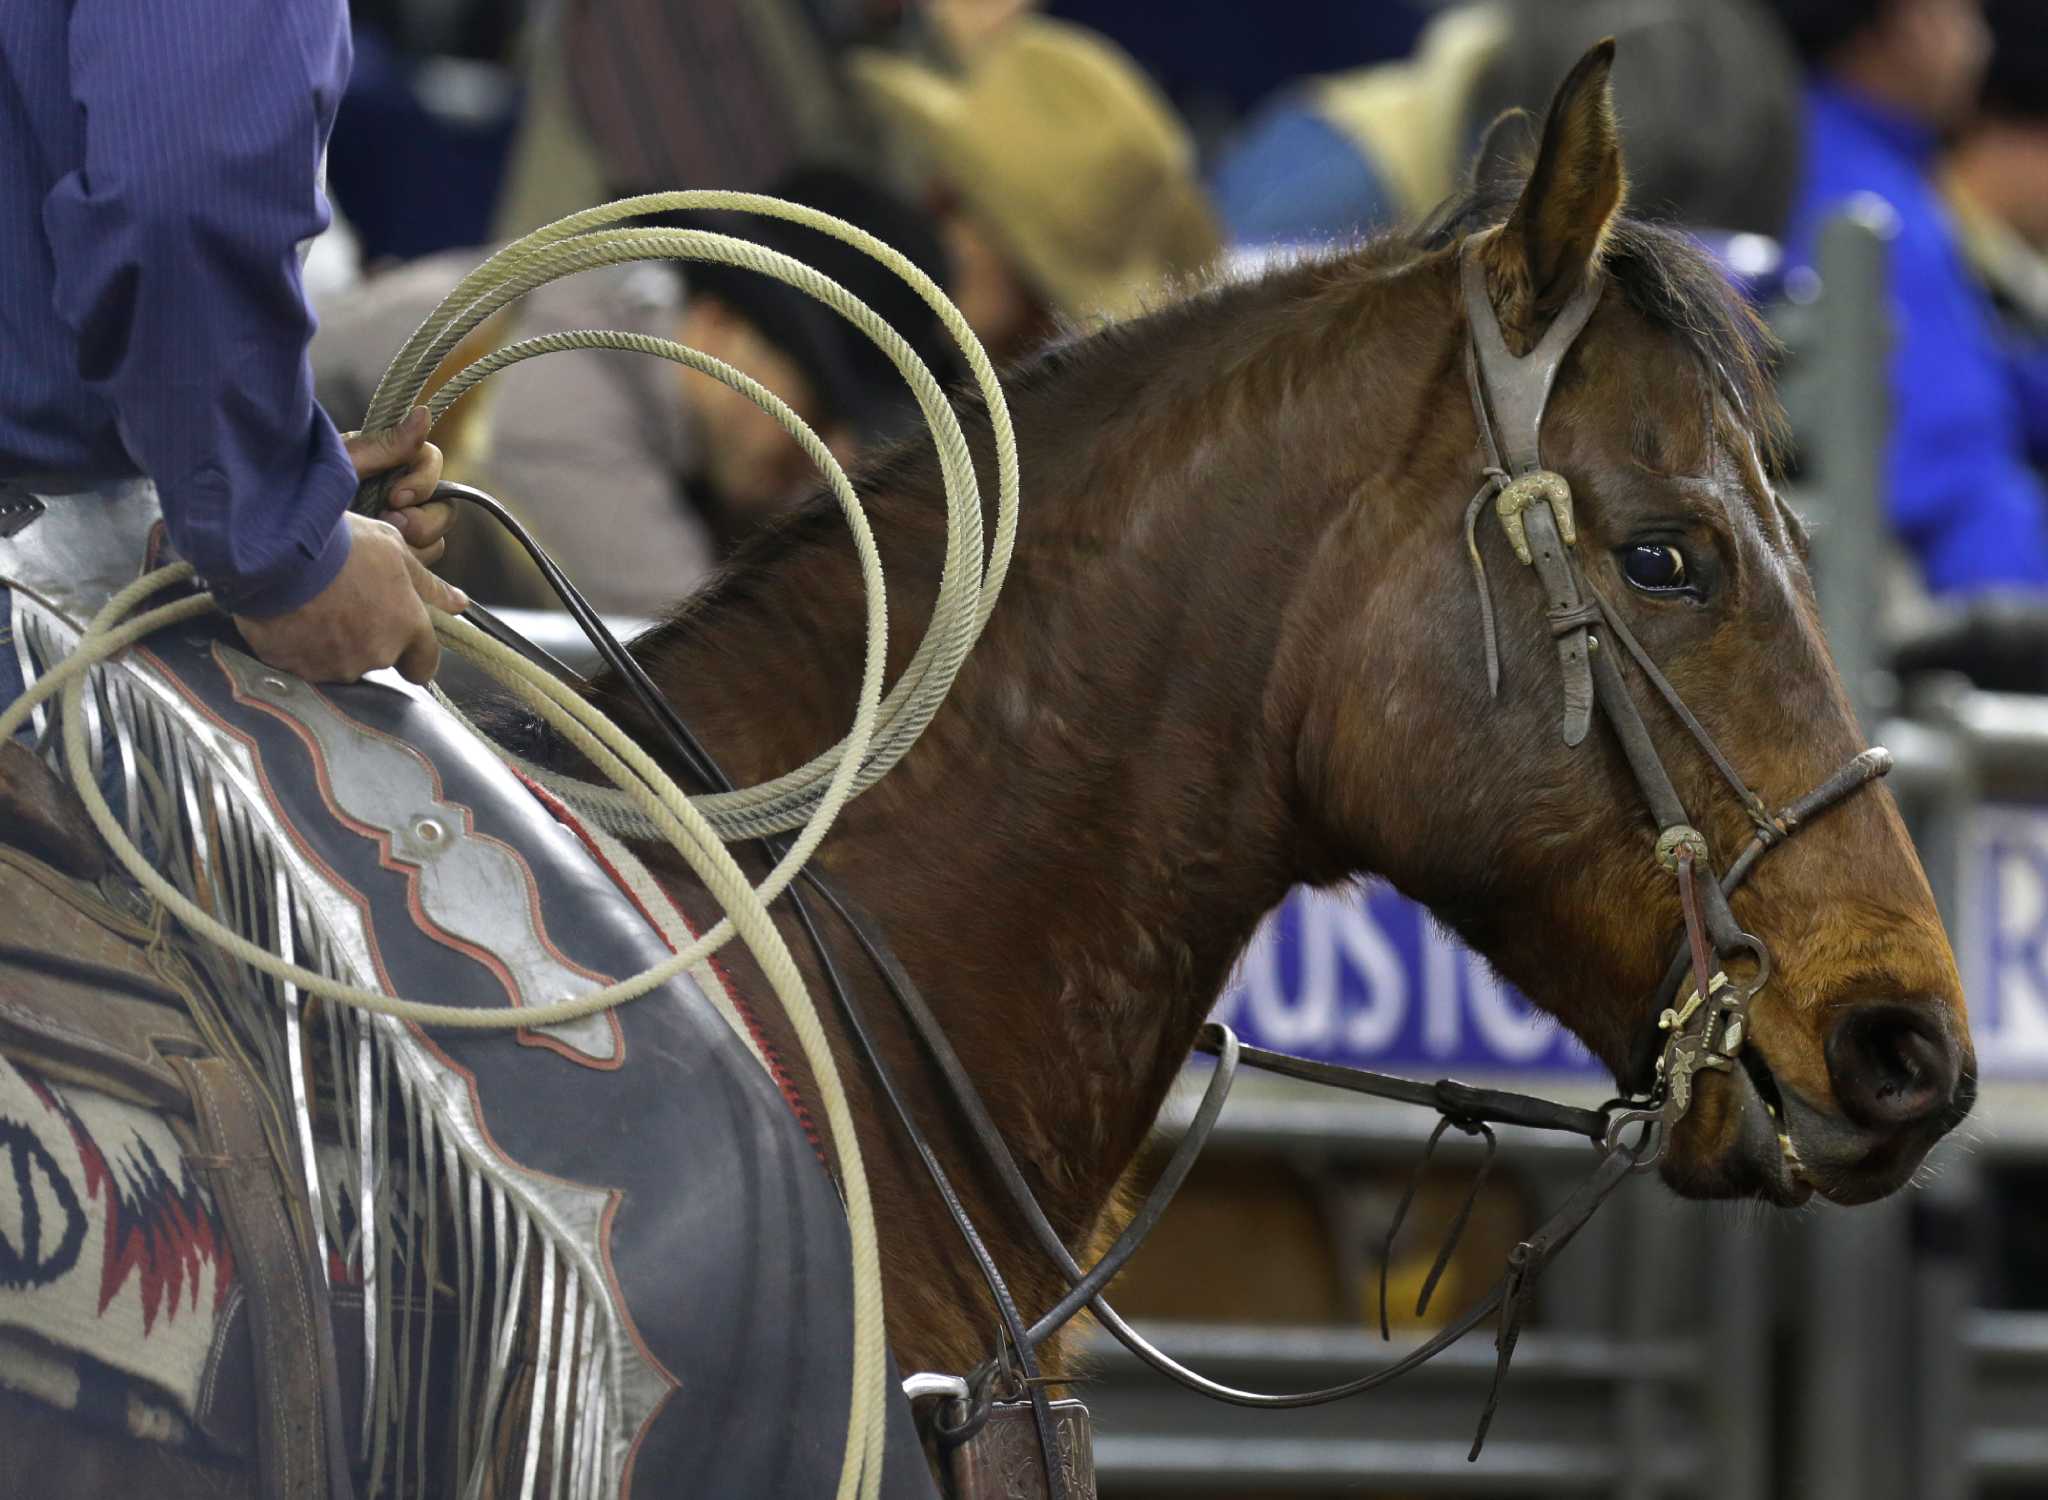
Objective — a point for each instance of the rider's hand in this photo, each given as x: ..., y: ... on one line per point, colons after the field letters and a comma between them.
x: 424, y: 524
x: 374, y: 614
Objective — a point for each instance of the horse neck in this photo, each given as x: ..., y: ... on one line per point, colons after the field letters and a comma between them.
x: 1074, y: 853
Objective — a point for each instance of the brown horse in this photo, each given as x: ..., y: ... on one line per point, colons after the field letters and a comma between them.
x: 1240, y: 650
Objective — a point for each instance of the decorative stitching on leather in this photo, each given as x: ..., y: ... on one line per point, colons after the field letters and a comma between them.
x: 535, y: 917
x: 67, y: 889
x: 384, y: 839
x: 674, y: 1385
x: 303, y: 1344
x: 40, y: 1023
x: 217, y: 1350
x: 300, y: 842
x: 791, y: 1094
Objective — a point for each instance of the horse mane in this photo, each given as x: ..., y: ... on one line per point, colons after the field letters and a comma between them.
x: 1221, y: 323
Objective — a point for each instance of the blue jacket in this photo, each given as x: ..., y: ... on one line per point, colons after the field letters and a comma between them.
x: 159, y: 167
x: 1962, y: 496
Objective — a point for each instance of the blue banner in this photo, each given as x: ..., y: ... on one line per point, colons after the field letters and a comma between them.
x: 2003, y: 941
x: 1369, y: 978
x: 1366, y: 977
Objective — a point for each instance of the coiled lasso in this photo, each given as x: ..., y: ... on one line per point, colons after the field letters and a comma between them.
x: 642, y: 800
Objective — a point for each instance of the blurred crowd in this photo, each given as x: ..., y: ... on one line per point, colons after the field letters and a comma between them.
x: 1052, y: 166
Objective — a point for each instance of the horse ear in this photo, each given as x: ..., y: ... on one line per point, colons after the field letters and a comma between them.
x: 1503, y: 147
x: 1552, y: 240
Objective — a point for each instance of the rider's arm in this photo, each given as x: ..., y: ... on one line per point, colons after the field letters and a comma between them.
x: 176, y: 261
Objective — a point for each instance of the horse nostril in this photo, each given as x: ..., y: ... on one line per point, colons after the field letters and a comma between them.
x: 1896, y: 1065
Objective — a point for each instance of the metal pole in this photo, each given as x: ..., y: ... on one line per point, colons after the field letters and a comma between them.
x: 1946, y: 1213
x: 1851, y: 419
x: 1947, y: 1210
x: 1738, y: 1360
x: 1852, y: 1434
x: 1646, y: 1308
x: 1851, y: 1321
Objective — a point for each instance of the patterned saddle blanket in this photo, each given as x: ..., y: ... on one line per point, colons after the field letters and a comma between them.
x: 603, y: 1253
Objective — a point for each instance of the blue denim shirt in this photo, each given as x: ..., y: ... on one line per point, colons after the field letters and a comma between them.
x: 1962, y: 497
x: 159, y: 167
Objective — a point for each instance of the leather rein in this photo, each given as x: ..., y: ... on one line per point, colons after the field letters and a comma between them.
x: 1534, y: 506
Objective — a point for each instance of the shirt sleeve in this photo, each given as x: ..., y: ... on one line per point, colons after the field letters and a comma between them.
x: 1962, y: 494
x: 176, y: 253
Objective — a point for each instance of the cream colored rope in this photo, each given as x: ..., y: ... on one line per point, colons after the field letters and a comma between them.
x: 967, y: 590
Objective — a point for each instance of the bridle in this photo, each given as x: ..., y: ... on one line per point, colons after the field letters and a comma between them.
x: 1509, y: 394
x: 1703, y: 1032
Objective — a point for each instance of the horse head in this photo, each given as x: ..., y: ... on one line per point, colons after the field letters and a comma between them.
x: 1534, y: 841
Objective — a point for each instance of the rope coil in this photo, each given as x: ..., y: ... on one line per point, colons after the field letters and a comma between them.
x: 968, y: 583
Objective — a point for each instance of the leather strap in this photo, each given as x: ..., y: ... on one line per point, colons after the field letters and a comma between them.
x: 1516, y: 387
x: 1859, y: 771
x: 1695, y: 926
x: 1569, y: 616
x: 1509, y: 393
x: 1020, y: 1339
x: 1752, y: 804
x: 297, y: 1407
x: 1526, y: 1263
x: 1626, y: 720
x: 1458, y: 1101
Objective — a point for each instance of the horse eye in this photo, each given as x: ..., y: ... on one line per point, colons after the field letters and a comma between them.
x: 1654, y: 567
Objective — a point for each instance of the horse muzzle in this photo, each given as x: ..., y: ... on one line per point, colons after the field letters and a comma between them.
x: 1902, y: 1077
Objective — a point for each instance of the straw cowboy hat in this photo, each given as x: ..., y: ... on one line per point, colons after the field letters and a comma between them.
x: 1065, y: 151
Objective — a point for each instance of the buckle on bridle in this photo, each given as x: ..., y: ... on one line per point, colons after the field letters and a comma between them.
x: 1519, y: 494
